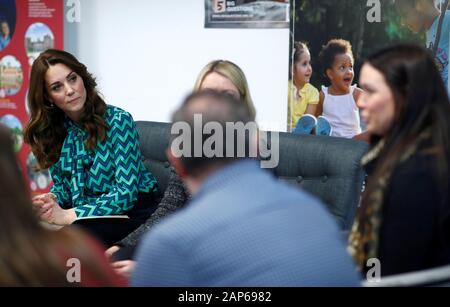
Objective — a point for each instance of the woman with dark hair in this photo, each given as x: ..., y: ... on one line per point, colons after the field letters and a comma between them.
x: 90, y: 148
x: 32, y: 255
x: 404, y: 218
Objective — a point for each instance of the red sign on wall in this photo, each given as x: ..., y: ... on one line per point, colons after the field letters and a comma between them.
x: 27, y: 27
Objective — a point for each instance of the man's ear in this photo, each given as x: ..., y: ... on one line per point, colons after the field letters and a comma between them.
x: 176, y: 163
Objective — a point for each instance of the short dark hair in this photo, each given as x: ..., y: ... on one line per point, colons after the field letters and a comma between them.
x: 329, y: 52
x: 222, y: 108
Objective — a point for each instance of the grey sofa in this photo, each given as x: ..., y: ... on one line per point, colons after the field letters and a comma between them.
x: 324, y: 166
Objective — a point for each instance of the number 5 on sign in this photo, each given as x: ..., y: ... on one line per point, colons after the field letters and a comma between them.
x: 219, y: 6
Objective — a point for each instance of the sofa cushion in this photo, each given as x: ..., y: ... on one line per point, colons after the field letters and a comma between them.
x: 326, y: 167
x: 154, y: 140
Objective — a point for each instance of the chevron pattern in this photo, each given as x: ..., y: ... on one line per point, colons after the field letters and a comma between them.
x: 106, y: 180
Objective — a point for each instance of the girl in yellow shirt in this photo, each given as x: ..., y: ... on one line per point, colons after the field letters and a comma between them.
x: 303, y: 97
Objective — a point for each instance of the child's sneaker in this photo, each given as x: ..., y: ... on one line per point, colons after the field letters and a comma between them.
x: 323, y: 126
x: 305, y: 124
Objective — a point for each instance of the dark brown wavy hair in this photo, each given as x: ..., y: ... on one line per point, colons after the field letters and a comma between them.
x: 45, y: 132
x: 31, y: 255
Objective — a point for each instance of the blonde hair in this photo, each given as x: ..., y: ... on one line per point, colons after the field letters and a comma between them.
x: 232, y: 72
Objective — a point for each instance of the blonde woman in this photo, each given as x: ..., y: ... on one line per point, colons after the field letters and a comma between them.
x: 219, y: 75
x: 223, y: 75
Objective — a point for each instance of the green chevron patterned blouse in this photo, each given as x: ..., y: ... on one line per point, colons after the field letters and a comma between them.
x: 107, y: 179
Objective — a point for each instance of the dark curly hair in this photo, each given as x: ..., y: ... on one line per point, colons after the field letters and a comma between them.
x: 329, y: 52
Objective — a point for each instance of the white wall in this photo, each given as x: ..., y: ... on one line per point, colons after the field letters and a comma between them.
x: 146, y: 55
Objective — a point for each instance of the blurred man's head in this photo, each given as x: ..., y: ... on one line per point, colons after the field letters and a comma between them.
x: 210, y: 130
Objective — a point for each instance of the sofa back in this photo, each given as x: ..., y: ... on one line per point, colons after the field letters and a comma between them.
x: 327, y: 167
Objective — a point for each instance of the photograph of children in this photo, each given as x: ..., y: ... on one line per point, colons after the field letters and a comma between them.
x: 329, y: 41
